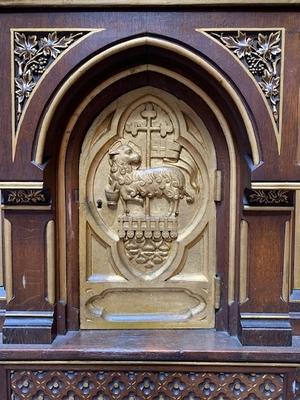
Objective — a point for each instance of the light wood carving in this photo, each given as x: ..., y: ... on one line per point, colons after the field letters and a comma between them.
x: 8, y: 260
x: 147, y: 216
x: 50, y: 251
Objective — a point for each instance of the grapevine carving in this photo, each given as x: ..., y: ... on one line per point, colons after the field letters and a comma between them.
x: 22, y: 196
x: 270, y: 197
x: 19, y: 197
x: 261, y: 54
x: 34, y: 53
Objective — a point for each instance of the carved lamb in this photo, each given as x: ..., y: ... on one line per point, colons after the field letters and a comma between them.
x: 134, y: 183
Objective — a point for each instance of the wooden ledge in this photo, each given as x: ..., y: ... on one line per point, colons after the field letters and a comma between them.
x: 206, y: 347
x: 156, y: 3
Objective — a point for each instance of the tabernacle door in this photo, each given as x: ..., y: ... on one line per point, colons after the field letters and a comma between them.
x: 147, y: 216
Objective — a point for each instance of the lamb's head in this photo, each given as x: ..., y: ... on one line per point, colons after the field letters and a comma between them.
x: 124, y: 155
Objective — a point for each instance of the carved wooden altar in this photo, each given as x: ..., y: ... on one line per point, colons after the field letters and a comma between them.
x: 150, y: 199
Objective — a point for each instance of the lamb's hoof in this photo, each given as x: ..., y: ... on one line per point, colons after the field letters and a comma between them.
x: 173, y: 214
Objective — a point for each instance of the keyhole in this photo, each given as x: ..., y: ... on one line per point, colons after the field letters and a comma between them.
x: 99, y: 203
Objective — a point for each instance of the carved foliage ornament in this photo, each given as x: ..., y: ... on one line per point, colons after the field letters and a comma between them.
x: 265, y: 197
x: 34, y: 52
x: 19, y: 197
x: 261, y: 55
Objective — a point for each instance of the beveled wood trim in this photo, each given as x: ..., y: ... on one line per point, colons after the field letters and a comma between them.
x: 243, y: 261
x: 254, y: 315
x: 23, y: 208
x: 21, y: 185
x: 296, y: 272
x: 50, y: 251
x: 267, y: 208
x: 276, y: 185
x: 1, y: 247
x: 147, y: 364
x: 8, y: 259
x: 128, y: 3
x: 286, y: 262
x: 29, y: 314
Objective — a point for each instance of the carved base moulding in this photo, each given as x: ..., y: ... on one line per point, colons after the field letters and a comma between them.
x: 111, y: 3
x: 144, y: 384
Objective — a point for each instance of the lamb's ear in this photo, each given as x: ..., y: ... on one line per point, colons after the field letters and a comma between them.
x: 113, y: 153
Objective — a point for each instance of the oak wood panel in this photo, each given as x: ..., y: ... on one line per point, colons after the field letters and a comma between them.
x: 265, y: 265
x: 29, y: 264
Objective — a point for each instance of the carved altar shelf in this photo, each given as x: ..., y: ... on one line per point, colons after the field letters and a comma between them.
x: 222, y: 370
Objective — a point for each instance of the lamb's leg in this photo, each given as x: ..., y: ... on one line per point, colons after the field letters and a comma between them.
x: 125, y: 207
x: 176, y: 207
x: 171, y: 207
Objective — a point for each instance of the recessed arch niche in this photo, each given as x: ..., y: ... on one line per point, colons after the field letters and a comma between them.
x: 227, y: 161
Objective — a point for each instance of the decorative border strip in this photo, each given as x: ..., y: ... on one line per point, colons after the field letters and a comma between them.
x: 21, y: 185
x: 8, y: 256
x: 276, y: 185
x: 267, y: 208
x: 144, y: 384
x: 150, y: 364
x: 112, y: 3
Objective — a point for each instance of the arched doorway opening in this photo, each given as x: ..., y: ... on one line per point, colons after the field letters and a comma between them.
x: 225, y: 132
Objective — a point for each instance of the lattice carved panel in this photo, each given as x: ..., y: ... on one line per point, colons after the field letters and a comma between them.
x: 133, y: 385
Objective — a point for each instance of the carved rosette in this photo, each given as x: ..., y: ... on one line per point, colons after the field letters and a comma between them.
x: 260, y: 53
x: 34, y: 52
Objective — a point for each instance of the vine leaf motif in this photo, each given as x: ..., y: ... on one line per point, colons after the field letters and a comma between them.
x: 269, y: 197
x: 241, y: 45
x: 26, y: 196
x: 261, y: 54
x: 34, y: 53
